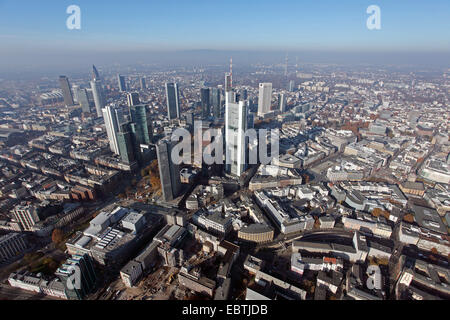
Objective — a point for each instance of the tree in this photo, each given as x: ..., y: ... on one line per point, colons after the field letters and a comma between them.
x: 376, y: 212
x: 57, y: 236
x: 409, y: 218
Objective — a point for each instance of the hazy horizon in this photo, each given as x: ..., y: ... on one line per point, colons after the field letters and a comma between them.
x: 35, y: 38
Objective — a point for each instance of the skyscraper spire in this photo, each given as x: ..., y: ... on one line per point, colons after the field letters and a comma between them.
x: 286, y: 65
x: 231, y: 72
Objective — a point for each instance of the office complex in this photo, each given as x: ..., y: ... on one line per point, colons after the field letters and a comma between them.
x: 78, y: 276
x: 215, y: 102
x: 126, y: 143
x: 133, y: 99
x: 282, y: 102
x: 66, y: 90
x: 122, y: 83
x: 99, y: 99
x: 83, y: 100
x: 265, y: 98
x: 142, y: 122
x: 142, y: 83
x: 169, y: 172
x: 205, y: 102
x: 235, y: 139
x: 112, y: 122
x: 173, y: 103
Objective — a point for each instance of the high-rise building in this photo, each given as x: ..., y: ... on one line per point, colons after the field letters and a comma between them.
x: 169, y: 172
x: 133, y: 99
x: 228, y: 82
x: 244, y: 94
x: 83, y: 100
x: 125, y: 143
x: 215, y: 102
x: 143, y: 124
x: 99, y: 98
x: 265, y: 98
x: 143, y: 84
x: 235, y: 141
x: 78, y: 276
x: 122, y: 84
x: 190, y: 118
x: 95, y: 74
x: 67, y: 92
x: 173, y: 101
x: 205, y: 102
x: 27, y: 216
x: 75, y: 93
x: 292, y: 86
x: 112, y: 122
x: 282, y: 102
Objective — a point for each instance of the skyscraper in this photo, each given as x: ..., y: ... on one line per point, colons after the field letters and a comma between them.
x: 215, y: 102
x: 67, y: 92
x: 78, y: 276
x: 228, y: 82
x: 133, y: 99
x: 204, y: 98
x: 95, y: 74
x: 173, y: 103
x: 265, y: 98
x: 99, y: 98
x: 292, y: 86
x: 143, y: 84
x: 122, y: 84
x: 143, y: 125
x: 235, y: 146
x: 282, y: 102
x: 111, y: 118
x: 83, y: 100
x: 169, y: 172
x: 125, y: 143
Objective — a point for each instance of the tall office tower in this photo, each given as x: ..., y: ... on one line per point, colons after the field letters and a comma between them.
x: 228, y: 82
x: 265, y: 98
x: 235, y: 143
x: 173, y: 101
x: 126, y: 144
x: 83, y: 100
x: 244, y: 94
x: 133, y: 99
x: 282, y: 102
x: 111, y: 118
x: 67, y: 93
x: 204, y: 98
x: 78, y: 276
x: 75, y: 93
x: 99, y: 98
x: 190, y: 118
x: 143, y: 124
x: 122, y: 84
x: 95, y: 74
x: 292, y: 86
x: 143, y: 84
x: 215, y: 102
x: 169, y: 172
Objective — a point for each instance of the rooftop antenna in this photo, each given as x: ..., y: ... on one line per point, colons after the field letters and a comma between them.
x: 231, y: 72
x: 286, y: 65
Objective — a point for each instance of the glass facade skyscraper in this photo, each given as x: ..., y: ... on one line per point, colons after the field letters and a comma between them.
x: 173, y: 101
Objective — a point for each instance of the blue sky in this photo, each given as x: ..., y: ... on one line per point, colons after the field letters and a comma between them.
x: 218, y: 24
